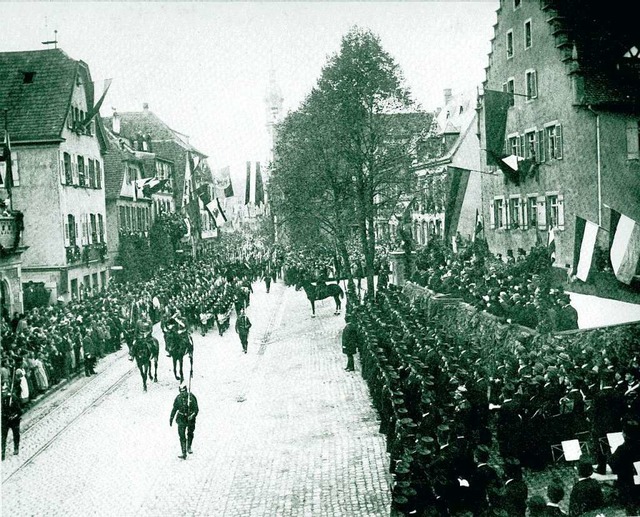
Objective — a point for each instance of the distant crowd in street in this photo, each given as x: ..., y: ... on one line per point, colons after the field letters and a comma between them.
x: 48, y: 344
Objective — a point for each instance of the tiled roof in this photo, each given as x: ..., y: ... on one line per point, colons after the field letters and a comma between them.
x: 600, y: 34
x: 113, y: 167
x: 38, y: 109
x: 148, y: 123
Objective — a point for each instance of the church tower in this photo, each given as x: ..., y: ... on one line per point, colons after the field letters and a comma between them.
x: 274, y: 112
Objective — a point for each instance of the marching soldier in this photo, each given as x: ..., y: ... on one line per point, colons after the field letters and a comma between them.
x: 11, y: 414
x: 185, y: 406
x: 242, y: 328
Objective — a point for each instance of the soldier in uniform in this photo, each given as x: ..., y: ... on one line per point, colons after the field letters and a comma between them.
x: 11, y: 414
x: 242, y: 328
x: 350, y: 344
x: 185, y: 406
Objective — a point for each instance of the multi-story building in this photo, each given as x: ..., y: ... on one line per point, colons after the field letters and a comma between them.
x: 59, y: 185
x: 176, y: 160
x: 572, y: 68
x: 130, y: 208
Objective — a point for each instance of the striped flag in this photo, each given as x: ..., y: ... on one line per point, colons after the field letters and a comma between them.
x: 584, y: 244
x: 6, y: 172
x: 624, y: 247
x: 551, y: 245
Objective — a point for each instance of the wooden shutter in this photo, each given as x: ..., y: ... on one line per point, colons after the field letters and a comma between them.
x: 63, y: 177
x: 633, y: 139
x: 74, y: 170
x: 65, y: 226
x: 98, y: 174
x: 492, y: 215
x: 559, y: 142
x: 541, y: 205
x: 541, y: 146
x: 560, y: 212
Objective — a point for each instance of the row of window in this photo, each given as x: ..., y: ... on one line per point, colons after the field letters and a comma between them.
x: 527, y: 212
x: 531, y: 86
x: 134, y: 218
x: 89, y: 285
x: 535, y: 144
x: 76, y: 119
x: 80, y: 172
x: 527, y: 39
x: 92, y: 226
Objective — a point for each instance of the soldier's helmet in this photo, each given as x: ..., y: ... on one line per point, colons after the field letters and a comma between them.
x: 183, y: 386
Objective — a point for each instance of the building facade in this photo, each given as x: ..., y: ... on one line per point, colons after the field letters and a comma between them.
x: 58, y: 150
x: 572, y: 71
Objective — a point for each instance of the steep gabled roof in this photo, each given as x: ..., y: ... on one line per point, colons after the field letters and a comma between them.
x: 146, y: 122
x: 36, y: 87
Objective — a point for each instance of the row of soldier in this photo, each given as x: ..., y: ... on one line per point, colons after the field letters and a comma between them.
x: 439, y: 405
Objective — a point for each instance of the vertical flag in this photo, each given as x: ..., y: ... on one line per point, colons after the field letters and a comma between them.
x: 496, y: 107
x: 584, y: 244
x: 5, y: 157
x: 551, y: 245
x: 259, y: 196
x: 247, y: 189
x: 222, y: 180
x: 477, y: 233
x: 96, y: 109
x: 625, y: 246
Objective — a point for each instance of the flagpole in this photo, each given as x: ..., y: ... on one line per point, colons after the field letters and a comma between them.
x: 8, y: 168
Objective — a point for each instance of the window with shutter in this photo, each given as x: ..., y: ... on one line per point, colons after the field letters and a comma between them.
x: 81, y: 176
x: 68, y: 169
x: 94, y: 229
x: 91, y: 174
x: 633, y: 139
x: 521, y: 145
x: 71, y: 225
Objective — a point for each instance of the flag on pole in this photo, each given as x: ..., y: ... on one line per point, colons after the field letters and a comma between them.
x: 222, y: 181
x: 624, y: 246
x: 96, y: 109
x: 247, y: 189
x: 584, y: 244
x: 215, y: 209
x: 259, y: 195
x: 496, y: 107
x: 477, y: 233
x: 551, y: 245
x: 5, y: 159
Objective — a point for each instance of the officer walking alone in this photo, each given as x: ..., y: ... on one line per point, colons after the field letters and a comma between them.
x: 185, y: 406
x: 242, y: 328
x: 349, y: 343
x: 11, y: 414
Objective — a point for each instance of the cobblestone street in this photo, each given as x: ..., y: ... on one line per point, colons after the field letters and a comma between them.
x: 282, y: 430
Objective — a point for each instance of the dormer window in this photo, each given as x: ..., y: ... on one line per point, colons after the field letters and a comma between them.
x: 27, y: 77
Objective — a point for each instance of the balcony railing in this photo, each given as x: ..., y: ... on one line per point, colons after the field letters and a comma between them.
x: 11, y: 225
x: 87, y: 253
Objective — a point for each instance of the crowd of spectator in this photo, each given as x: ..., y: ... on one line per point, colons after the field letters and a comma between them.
x: 518, y: 289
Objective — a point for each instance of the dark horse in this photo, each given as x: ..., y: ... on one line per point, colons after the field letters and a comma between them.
x: 320, y: 291
x: 179, y: 344
x: 146, y: 349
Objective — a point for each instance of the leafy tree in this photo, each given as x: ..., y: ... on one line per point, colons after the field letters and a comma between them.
x: 345, y: 156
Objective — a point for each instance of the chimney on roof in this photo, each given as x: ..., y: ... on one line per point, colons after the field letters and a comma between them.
x: 447, y: 96
x: 115, y: 122
x: 145, y: 106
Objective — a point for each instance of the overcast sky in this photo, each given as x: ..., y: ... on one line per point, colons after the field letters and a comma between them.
x: 204, y: 67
